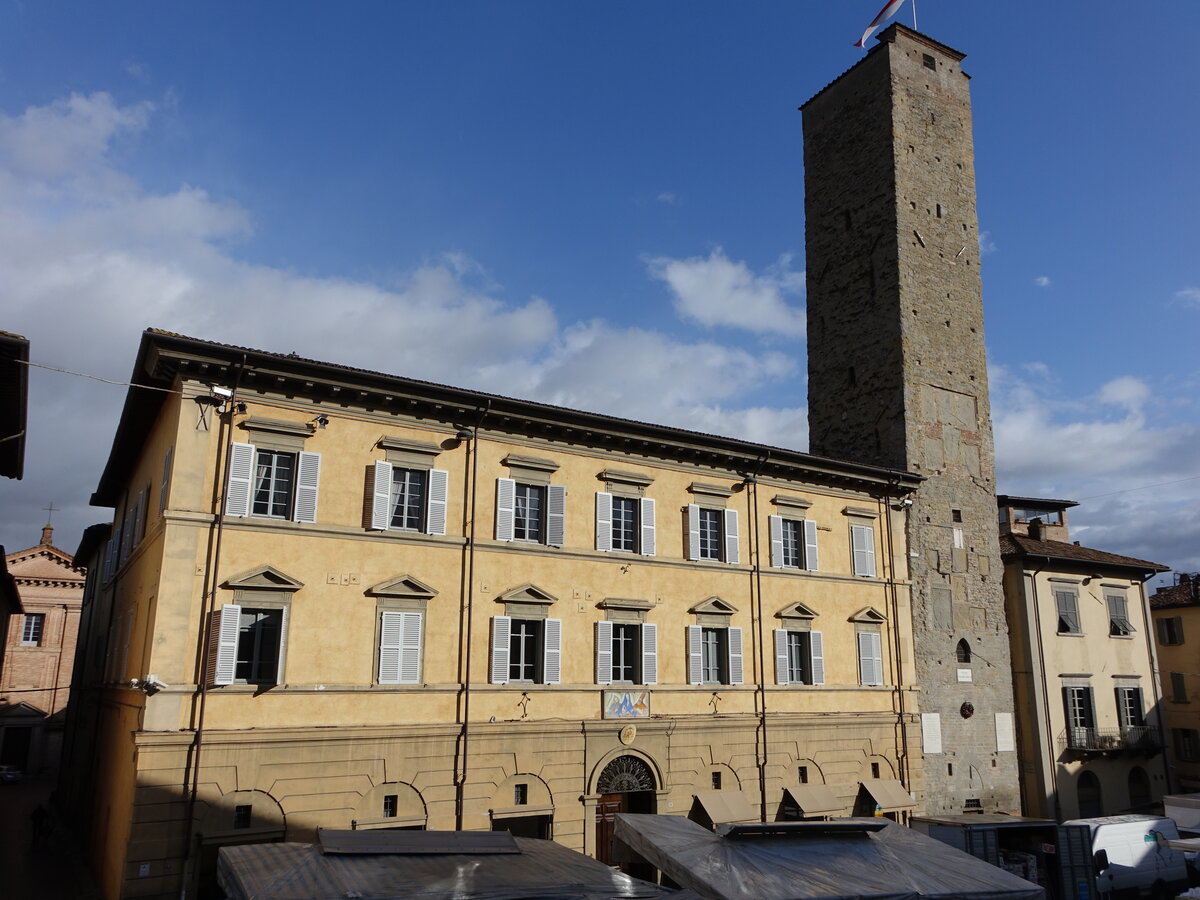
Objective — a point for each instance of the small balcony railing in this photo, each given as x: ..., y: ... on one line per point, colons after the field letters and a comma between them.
x: 1134, y: 739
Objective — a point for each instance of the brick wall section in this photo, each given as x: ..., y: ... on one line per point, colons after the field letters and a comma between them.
x: 897, y: 370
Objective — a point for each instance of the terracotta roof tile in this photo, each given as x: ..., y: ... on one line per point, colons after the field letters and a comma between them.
x: 1017, y: 545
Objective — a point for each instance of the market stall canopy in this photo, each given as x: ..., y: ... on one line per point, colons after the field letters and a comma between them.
x: 889, y: 795
x: 430, y: 865
x: 814, y: 799
x: 726, y: 806
x: 866, y: 859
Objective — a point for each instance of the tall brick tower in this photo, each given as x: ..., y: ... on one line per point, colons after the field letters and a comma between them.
x: 898, y: 377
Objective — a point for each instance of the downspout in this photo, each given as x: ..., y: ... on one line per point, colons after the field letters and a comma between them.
x: 1041, y: 667
x: 897, y: 653
x: 756, y: 615
x: 466, y: 618
x: 211, y: 579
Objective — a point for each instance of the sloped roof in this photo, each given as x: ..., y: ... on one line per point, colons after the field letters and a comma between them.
x: 1015, y: 546
x: 1186, y: 593
x: 44, y: 564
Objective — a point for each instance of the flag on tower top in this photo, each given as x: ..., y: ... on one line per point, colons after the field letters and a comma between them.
x: 889, y: 10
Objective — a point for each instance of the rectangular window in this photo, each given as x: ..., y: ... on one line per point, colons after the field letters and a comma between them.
x: 400, y: 647
x: 714, y: 655
x: 793, y: 543
x: 1081, y: 716
x: 242, y: 816
x: 1187, y: 743
x: 1179, y: 692
x: 532, y: 513
x: 1067, y: 603
x: 1129, y: 707
x: 716, y: 781
x: 1118, y: 615
x: 624, y: 524
x: 710, y: 533
x: 389, y: 805
x: 802, y: 774
x: 799, y: 657
x: 520, y: 794
x: 526, y: 651
x: 274, y: 474
x: 1170, y: 631
x: 862, y: 539
x: 272, y: 484
x: 870, y: 658
x: 258, y: 644
x: 31, y: 630
x: 626, y: 653
x: 408, y: 499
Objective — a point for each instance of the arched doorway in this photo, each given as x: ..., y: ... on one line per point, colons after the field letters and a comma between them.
x: 1091, y: 802
x: 1139, y: 788
x: 626, y: 784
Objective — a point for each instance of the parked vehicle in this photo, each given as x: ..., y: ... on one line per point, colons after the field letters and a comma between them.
x: 1133, y: 858
x: 1056, y: 857
x: 10, y: 774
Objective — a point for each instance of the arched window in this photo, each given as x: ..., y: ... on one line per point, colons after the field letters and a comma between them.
x: 1091, y: 802
x: 1139, y: 787
x: 625, y: 774
x: 963, y: 651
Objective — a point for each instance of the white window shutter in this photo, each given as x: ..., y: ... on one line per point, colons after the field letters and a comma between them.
x: 781, y: 654
x: 648, y: 546
x: 816, y: 647
x: 241, y: 473
x: 731, y: 537
x: 649, y: 653
x: 435, y: 507
x: 695, y: 655
x: 127, y: 533
x: 870, y: 658
x: 308, y: 477
x: 810, y: 545
x: 863, y: 539
x: 877, y: 656
x: 283, y: 640
x: 139, y: 519
x: 603, y: 523
x: 693, y: 517
x: 391, y: 625
x: 381, y: 496
x: 222, y: 651
x: 775, y: 524
x: 604, y: 656
x: 736, y: 675
x: 164, y: 486
x: 501, y: 633
x: 506, y: 501
x: 410, y: 648
x: 552, y: 651
x: 556, y: 515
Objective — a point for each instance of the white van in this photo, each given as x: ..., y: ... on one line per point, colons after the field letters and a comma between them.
x: 1132, y: 857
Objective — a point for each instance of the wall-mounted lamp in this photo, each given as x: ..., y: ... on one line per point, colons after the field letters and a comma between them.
x: 464, y: 434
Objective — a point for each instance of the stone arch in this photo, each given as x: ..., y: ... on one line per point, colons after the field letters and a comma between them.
x: 613, y: 755
x: 626, y: 767
x: 886, y: 770
x: 249, y: 812
x: 729, y: 778
x: 407, y: 810
x: 521, y: 794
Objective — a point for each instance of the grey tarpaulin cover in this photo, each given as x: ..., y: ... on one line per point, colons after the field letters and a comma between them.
x: 796, y: 860
x: 542, y: 869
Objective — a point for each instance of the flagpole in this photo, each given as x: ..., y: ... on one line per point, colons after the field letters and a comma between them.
x: 914, y: 6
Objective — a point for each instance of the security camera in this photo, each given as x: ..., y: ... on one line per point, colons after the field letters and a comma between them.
x: 151, y: 685
x: 223, y: 392
x: 901, y: 504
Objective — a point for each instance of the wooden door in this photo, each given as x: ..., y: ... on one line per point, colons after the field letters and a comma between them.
x: 607, y: 808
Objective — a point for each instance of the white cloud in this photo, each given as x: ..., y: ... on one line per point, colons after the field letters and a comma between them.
x: 667, y: 197
x: 1042, y: 281
x: 1189, y: 296
x: 716, y: 291
x: 89, y: 257
x: 986, y: 244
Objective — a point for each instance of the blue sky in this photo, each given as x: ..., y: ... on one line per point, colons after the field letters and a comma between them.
x: 599, y: 205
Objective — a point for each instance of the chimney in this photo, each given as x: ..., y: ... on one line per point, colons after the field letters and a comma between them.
x: 47, y: 536
x: 1037, y: 529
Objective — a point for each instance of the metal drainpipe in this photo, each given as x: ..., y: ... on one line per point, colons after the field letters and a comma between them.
x: 211, y: 576
x: 897, y: 655
x: 466, y: 618
x: 756, y: 616
x: 1041, y: 667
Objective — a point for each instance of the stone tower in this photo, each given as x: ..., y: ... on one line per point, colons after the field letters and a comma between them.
x: 898, y: 377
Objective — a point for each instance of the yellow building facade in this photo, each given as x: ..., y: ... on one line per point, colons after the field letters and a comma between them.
x: 1085, y: 674
x: 336, y: 598
x: 1176, y: 612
